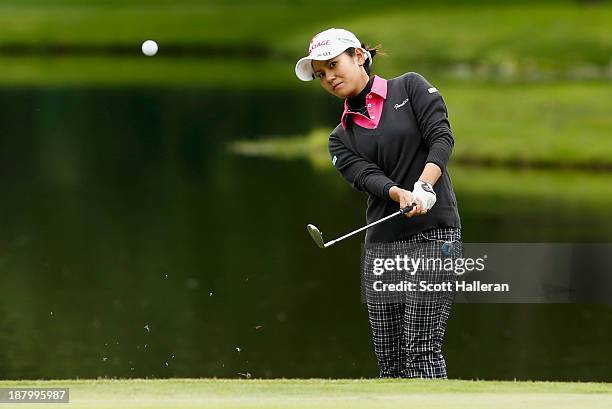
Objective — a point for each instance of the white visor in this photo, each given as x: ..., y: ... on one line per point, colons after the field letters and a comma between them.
x: 324, y: 46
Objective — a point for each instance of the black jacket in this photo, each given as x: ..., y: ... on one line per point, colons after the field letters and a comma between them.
x: 413, y: 129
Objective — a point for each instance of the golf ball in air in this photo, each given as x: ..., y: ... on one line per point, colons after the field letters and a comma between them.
x: 149, y: 48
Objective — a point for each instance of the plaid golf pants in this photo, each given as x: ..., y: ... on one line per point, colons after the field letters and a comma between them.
x: 408, y: 335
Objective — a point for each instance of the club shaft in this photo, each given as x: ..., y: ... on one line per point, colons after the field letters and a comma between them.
x: 330, y: 243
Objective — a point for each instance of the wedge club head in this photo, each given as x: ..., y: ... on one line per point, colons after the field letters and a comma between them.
x: 316, y: 235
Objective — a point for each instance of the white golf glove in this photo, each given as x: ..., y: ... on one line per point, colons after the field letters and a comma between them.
x: 425, y: 193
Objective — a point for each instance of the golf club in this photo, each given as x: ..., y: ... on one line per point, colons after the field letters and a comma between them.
x: 317, y: 236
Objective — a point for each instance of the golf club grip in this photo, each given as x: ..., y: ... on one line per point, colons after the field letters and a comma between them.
x: 407, y: 209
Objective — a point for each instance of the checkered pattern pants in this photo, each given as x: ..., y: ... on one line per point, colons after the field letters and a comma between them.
x: 408, y: 336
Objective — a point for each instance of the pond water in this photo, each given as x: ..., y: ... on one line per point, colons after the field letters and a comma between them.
x: 134, y: 244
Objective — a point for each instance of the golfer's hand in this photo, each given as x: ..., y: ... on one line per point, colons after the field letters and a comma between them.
x: 404, y: 198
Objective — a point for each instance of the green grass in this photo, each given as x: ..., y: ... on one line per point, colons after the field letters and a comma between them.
x: 514, y: 41
x: 182, y: 21
x: 565, y: 124
x: 557, y: 125
x: 104, y: 71
x: 572, y: 189
x: 365, y: 393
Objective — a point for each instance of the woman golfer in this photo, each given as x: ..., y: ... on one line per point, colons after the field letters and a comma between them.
x: 393, y: 142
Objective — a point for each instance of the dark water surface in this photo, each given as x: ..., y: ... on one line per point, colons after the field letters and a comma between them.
x: 132, y: 244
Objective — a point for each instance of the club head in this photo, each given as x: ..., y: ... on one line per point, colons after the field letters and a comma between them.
x: 316, y: 235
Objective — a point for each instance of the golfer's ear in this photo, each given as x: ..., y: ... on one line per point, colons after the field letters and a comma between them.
x: 360, y: 56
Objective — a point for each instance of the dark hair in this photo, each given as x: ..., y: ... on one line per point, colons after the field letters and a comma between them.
x: 373, y: 51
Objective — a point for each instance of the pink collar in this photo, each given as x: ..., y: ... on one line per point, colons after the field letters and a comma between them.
x: 379, y: 86
x: 377, y: 95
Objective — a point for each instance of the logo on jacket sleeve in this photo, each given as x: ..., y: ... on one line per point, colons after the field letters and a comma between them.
x: 432, y: 90
x: 334, y: 160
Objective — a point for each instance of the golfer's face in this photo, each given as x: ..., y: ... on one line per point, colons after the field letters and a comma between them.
x: 339, y: 75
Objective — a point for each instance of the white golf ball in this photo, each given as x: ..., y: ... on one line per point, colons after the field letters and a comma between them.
x: 149, y: 48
